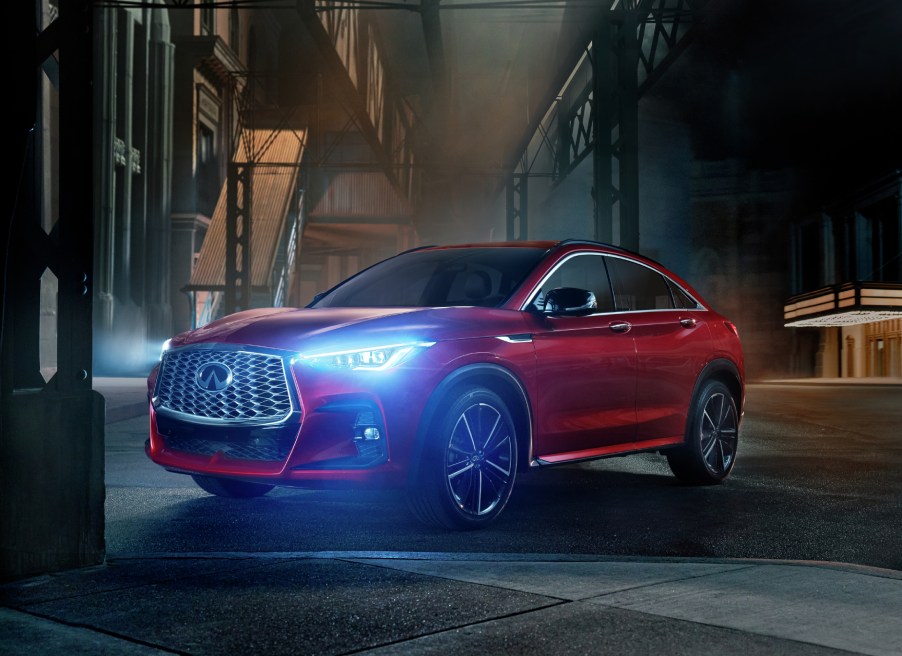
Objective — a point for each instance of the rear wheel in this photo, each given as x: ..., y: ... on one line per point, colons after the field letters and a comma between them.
x: 227, y: 487
x: 469, y: 464
x: 709, y: 453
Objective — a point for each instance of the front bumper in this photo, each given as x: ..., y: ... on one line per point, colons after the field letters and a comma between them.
x: 318, y: 457
x: 350, y: 429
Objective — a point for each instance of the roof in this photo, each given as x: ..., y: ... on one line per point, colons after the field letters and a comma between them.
x: 498, y: 244
x: 277, y: 155
x: 546, y: 244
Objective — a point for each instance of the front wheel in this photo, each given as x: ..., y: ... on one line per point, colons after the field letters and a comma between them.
x: 227, y: 487
x: 469, y: 463
x: 708, y: 455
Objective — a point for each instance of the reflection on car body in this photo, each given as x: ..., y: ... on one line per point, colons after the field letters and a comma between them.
x: 446, y: 370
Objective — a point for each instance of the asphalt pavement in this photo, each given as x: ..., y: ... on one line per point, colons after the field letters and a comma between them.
x: 343, y: 602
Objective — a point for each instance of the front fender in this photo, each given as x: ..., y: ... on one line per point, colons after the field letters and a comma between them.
x: 494, y: 376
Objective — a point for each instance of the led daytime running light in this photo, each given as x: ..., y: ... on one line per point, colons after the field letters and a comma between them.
x: 366, y: 359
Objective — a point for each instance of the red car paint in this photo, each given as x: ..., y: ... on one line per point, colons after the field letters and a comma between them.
x: 582, y: 386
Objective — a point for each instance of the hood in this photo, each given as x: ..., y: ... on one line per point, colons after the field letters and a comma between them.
x: 311, y: 330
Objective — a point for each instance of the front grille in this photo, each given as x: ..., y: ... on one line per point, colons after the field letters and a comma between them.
x: 258, y: 392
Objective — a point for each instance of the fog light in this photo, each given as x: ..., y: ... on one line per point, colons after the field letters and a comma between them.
x: 365, y: 427
x: 368, y: 437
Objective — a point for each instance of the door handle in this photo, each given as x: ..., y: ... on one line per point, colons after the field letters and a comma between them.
x: 688, y: 322
x: 620, y: 327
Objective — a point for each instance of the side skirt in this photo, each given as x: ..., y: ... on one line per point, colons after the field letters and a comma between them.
x: 605, y: 452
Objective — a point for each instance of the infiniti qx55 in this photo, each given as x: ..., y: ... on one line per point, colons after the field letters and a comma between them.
x: 447, y: 371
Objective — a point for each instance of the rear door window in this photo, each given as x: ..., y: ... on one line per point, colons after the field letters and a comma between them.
x: 638, y: 287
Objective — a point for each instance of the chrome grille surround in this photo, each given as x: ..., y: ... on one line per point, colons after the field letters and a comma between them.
x: 259, y: 394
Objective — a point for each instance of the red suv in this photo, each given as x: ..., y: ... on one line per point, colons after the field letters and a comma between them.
x: 446, y: 370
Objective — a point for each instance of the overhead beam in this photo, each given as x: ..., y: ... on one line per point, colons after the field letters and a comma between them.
x: 338, y: 74
x: 664, y: 31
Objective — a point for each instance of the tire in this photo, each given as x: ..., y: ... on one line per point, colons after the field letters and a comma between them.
x: 227, y: 487
x: 709, y: 453
x: 469, y: 465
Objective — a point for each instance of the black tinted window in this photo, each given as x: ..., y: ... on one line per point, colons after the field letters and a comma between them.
x: 637, y: 287
x: 583, y: 271
x: 681, y: 298
x: 432, y: 278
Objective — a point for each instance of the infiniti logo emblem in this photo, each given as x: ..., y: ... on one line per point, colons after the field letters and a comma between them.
x: 213, y: 377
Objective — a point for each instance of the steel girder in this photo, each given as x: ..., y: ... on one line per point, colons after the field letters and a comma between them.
x: 239, y: 200
x: 349, y: 49
x: 632, y: 45
x: 69, y: 247
x: 517, y: 206
x: 661, y: 34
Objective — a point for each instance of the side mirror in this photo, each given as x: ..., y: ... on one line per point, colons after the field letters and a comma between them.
x: 570, y: 302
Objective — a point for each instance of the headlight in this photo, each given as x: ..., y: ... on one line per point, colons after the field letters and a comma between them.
x: 165, y: 347
x: 366, y: 359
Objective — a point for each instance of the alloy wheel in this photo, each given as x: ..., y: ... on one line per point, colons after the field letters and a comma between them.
x: 479, y: 460
x: 719, y: 433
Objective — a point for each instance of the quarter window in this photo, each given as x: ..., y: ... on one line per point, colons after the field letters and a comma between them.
x: 681, y: 298
x: 637, y: 287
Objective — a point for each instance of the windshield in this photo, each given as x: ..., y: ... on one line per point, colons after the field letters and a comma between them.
x: 482, y: 276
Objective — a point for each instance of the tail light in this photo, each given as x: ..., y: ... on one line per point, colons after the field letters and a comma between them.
x: 732, y: 327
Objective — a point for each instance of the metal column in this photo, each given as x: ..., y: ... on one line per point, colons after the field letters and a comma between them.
x: 518, y: 206
x: 627, y: 52
x: 602, y: 119
x: 238, y: 237
x: 51, y: 439
x: 615, y: 127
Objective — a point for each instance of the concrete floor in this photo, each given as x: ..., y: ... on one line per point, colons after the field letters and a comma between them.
x: 798, y: 553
